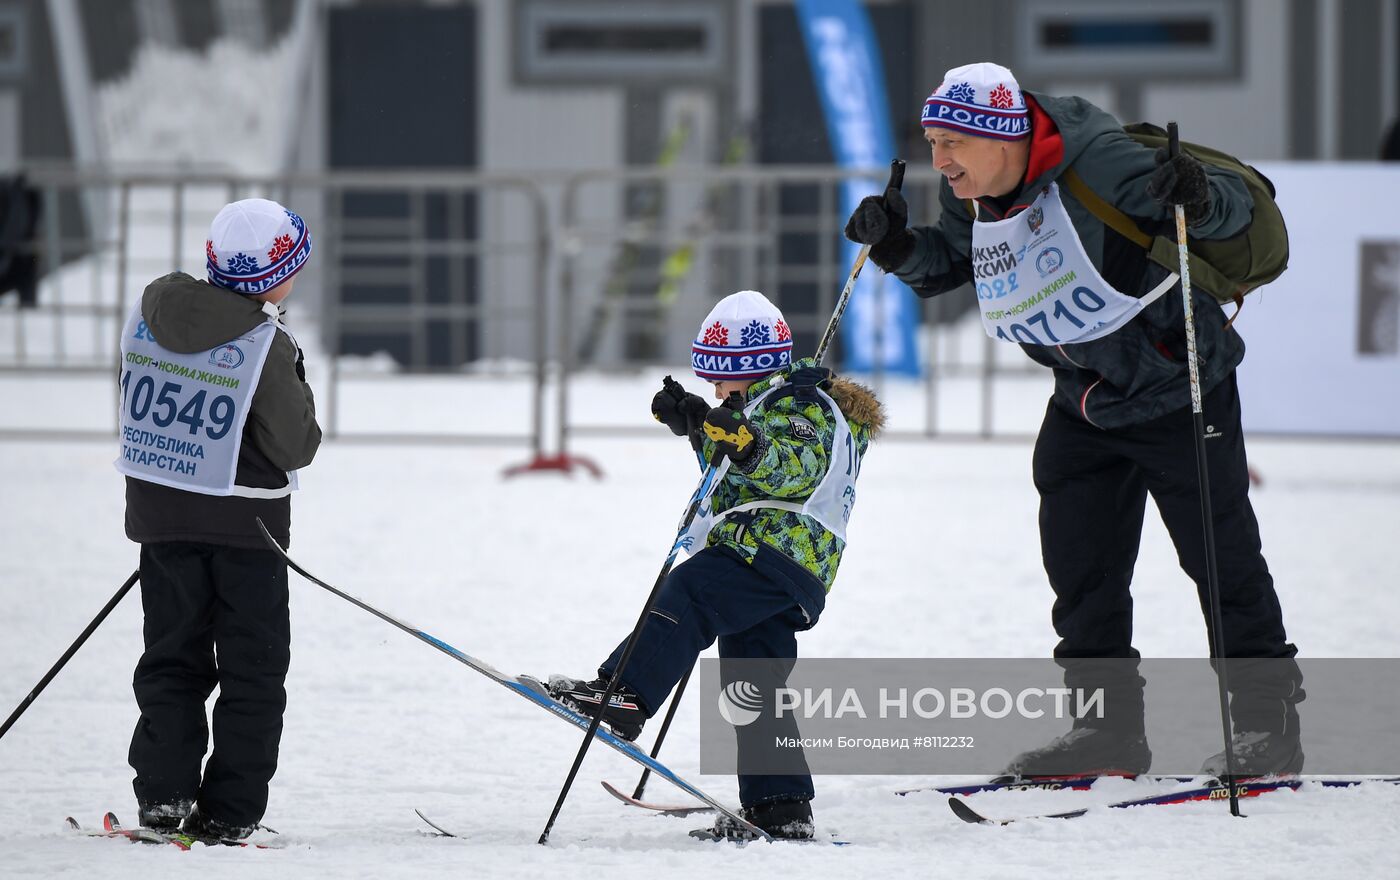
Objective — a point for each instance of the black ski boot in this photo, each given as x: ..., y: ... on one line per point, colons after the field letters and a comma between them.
x: 165, y: 818
x: 209, y: 830
x: 1086, y: 750
x: 784, y: 820
x: 624, y: 715
x: 1259, y: 753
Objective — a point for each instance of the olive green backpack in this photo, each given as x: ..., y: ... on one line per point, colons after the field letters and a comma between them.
x: 1228, y: 268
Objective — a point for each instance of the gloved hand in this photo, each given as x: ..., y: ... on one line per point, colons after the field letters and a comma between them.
x: 1181, y: 181
x: 878, y: 217
x: 679, y: 410
x: 881, y: 222
x: 731, y: 431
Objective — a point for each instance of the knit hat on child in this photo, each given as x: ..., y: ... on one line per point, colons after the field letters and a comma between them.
x: 254, y: 245
x: 743, y: 337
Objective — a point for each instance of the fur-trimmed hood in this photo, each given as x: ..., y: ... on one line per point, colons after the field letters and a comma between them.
x: 858, y: 403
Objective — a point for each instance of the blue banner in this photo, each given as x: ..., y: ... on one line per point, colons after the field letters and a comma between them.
x: 880, y: 322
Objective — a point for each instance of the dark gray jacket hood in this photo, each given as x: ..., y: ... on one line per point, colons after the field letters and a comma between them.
x: 186, y: 315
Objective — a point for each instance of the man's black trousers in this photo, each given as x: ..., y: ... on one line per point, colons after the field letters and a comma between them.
x: 1093, y: 486
x: 199, y: 598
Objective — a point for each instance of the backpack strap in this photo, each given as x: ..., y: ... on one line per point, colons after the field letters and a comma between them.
x: 803, y: 383
x: 1109, y: 215
x: 1124, y: 225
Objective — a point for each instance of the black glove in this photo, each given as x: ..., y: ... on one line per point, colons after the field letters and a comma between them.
x: 679, y: 410
x: 877, y: 218
x: 1181, y: 181
x: 731, y: 431
x: 881, y: 221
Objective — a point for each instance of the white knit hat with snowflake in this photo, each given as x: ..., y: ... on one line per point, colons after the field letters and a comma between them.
x: 254, y: 245
x: 743, y: 337
x: 981, y: 99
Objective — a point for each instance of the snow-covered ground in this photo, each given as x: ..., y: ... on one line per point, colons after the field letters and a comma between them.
x: 545, y: 573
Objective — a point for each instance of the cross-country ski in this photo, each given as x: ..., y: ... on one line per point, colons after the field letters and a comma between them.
x: 1212, y: 791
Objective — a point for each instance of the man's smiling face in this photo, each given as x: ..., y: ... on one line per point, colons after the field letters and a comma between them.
x: 977, y: 166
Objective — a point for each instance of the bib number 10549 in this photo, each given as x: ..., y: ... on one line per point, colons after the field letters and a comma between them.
x: 169, y: 405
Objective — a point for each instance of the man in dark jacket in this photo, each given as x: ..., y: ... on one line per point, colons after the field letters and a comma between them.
x: 216, y: 418
x: 1086, y: 302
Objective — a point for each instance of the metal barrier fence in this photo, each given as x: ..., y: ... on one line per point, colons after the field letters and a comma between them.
x: 398, y: 267
x: 413, y: 279
x: 416, y: 275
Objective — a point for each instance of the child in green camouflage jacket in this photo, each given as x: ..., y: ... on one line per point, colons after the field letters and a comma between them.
x: 787, y: 441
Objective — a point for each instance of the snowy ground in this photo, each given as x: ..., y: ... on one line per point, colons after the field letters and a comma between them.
x: 544, y: 573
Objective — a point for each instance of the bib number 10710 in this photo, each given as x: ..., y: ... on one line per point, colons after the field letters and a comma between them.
x: 1083, y: 298
x: 167, y: 406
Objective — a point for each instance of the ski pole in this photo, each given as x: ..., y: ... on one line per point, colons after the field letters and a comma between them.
x: 701, y: 493
x: 68, y: 655
x: 1203, y: 481
x: 661, y: 736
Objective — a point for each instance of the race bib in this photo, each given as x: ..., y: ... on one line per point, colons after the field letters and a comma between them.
x: 182, y: 415
x: 1036, y: 284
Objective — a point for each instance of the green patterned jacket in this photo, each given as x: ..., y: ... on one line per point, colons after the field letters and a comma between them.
x: 789, y: 465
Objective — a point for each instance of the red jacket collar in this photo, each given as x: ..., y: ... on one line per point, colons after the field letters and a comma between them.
x: 1047, y: 146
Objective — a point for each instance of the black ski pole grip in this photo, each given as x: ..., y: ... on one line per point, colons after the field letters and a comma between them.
x: 1173, y: 141
x: 896, y: 175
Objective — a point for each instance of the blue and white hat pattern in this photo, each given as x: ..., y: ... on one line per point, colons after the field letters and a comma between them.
x: 981, y: 99
x: 743, y: 337
x: 254, y: 245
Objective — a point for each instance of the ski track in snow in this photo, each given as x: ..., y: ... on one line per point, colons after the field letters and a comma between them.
x: 544, y: 574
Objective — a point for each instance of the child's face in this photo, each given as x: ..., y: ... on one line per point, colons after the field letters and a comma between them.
x: 727, y: 387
